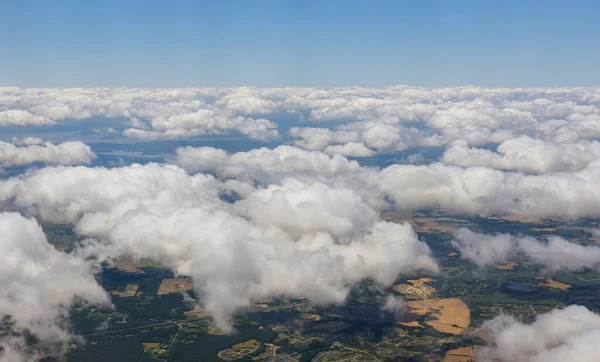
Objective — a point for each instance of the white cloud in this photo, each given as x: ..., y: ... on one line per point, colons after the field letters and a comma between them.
x: 394, y: 305
x: 285, y: 239
x: 38, y: 284
x: 568, y: 334
x: 27, y: 141
x: 67, y: 153
x: 485, y: 191
x: 350, y: 149
x: 17, y: 117
x: 525, y: 154
x: 555, y: 253
x: 264, y: 163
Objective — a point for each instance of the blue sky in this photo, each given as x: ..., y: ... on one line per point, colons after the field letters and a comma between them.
x: 299, y: 43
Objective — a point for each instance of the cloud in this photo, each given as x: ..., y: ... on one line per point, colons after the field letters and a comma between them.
x: 525, y: 154
x: 483, y: 249
x: 27, y: 141
x: 394, y: 305
x: 472, y: 190
x: 383, y: 119
x: 282, y: 239
x: 204, y: 121
x: 485, y: 191
x: 17, y: 117
x: 350, y: 149
x: 555, y: 253
x: 264, y: 164
x: 38, y: 284
x: 67, y: 153
x: 568, y: 334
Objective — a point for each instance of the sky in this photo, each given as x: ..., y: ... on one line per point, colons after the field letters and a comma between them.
x: 298, y: 43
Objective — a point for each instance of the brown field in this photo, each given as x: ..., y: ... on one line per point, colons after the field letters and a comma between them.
x: 175, y: 285
x: 463, y: 354
x: 551, y: 283
x: 508, y: 265
x: 448, y: 315
x: 520, y: 218
x: 197, y: 313
x: 216, y: 331
x: 310, y: 317
x: 129, y: 291
x: 416, y: 289
x: 412, y: 324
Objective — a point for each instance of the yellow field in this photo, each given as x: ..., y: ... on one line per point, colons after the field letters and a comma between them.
x: 551, y: 283
x: 239, y: 350
x: 448, y: 315
x: 175, y: 285
x: 412, y: 324
x: 197, y: 312
x: 463, y: 354
x: 416, y: 289
x: 251, y: 343
x: 129, y: 291
x: 508, y: 265
x: 216, y: 331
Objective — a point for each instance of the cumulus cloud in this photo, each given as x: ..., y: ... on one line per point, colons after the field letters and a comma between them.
x: 204, y: 121
x: 473, y: 190
x: 525, y: 154
x: 17, y: 117
x: 554, y: 253
x: 293, y: 238
x: 38, y: 284
x: 264, y: 163
x: 67, y: 153
x: 485, y: 191
x: 568, y: 334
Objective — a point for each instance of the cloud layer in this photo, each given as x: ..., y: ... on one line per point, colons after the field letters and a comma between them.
x: 353, y: 121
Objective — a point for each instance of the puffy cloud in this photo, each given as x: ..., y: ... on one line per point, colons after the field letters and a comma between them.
x: 350, y: 149
x: 38, y: 284
x: 485, y: 191
x: 204, y: 121
x: 555, y: 253
x: 360, y: 135
x: 525, y: 154
x: 474, y: 190
x: 17, y: 117
x: 568, y: 334
x: 264, y: 163
x: 483, y: 249
x: 300, y: 208
x: 292, y: 239
x: 67, y: 153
